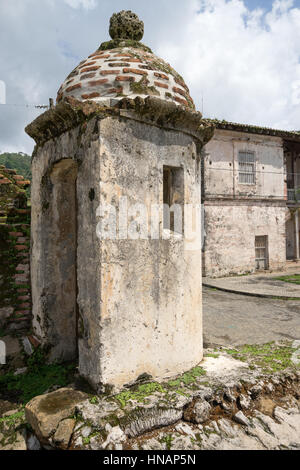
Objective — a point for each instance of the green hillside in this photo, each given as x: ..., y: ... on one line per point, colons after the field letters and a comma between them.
x: 17, y: 161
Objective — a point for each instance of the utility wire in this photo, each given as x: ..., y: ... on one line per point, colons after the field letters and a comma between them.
x: 250, y: 172
x: 37, y: 106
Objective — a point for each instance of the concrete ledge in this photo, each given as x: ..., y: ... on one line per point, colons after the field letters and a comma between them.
x: 249, y: 294
x: 70, y: 113
x: 256, y: 285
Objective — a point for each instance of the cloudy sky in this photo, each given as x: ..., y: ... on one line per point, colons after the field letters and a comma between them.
x: 242, y: 56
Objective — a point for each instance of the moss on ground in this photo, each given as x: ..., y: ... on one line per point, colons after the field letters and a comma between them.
x: 139, y: 393
x: 10, y: 426
x: 270, y: 357
x: 38, y: 378
x: 292, y: 279
x: 179, y: 386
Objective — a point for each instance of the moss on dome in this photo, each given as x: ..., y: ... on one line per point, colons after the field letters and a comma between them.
x: 120, y: 43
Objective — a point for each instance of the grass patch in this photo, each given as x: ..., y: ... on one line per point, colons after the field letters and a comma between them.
x: 139, y: 394
x: 37, y: 380
x: 271, y: 357
x: 13, y: 419
x: 33, y: 383
x: 292, y: 279
x: 167, y: 440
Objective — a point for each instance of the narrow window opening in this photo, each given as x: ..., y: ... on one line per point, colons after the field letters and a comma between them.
x: 173, y: 198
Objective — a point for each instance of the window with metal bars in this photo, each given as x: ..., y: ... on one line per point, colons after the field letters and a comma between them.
x: 246, y: 168
x: 261, y: 252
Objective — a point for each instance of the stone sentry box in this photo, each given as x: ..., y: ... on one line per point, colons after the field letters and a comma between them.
x: 123, y: 306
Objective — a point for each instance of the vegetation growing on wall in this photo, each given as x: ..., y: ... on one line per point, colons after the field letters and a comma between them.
x: 17, y: 161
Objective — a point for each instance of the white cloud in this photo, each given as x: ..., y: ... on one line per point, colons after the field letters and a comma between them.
x: 85, y: 4
x: 245, y: 62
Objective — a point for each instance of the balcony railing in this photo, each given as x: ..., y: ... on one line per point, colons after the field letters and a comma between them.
x: 294, y: 195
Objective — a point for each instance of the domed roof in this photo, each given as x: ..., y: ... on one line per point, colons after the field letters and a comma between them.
x: 124, y: 67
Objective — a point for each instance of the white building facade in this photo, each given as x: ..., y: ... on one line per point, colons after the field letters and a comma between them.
x: 251, y: 178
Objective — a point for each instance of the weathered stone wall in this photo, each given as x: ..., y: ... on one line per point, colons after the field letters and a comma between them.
x: 150, y: 289
x: 138, y: 301
x: 236, y: 213
x: 231, y: 228
x: 221, y: 173
x: 15, y: 298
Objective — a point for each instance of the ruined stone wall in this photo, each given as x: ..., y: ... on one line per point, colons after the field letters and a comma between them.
x: 231, y: 228
x: 15, y: 297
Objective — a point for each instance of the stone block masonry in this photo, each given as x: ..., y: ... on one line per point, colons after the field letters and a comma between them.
x: 160, y: 79
x: 15, y: 296
x: 138, y: 301
x: 127, y: 306
x: 15, y: 289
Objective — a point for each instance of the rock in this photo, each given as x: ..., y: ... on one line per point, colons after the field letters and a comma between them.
x: 33, y: 443
x: 5, y: 313
x: 145, y: 420
x: 63, y: 434
x: 27, y: 346
x: 45, y: 412
x: 227, y: 428
x: 96, y: 443
x: 215, y: 426
x: 150, y: 444
x: 266, y: 405
x: 269, y: 387
x: 21, y: 371
x: 256, y: 391
x: 228, y: 407
x: 13, y: 347
x: 5, y: 406
x: 115, y: 436
x: 241, y: 419
x: 85, y: 431
x: 10, y: 413
x: 19, y: 443
x: 199, y: 413
x: 229, y: 396
x: 244, y: 402
x: 185, y: 429
x: 78, y: 443
x: 280, y: 414
x: 96, y: 414
x: 126, y: 25
x: 17, y: 326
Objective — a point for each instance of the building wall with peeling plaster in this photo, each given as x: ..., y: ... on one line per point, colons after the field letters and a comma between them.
x: 236, y: 213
